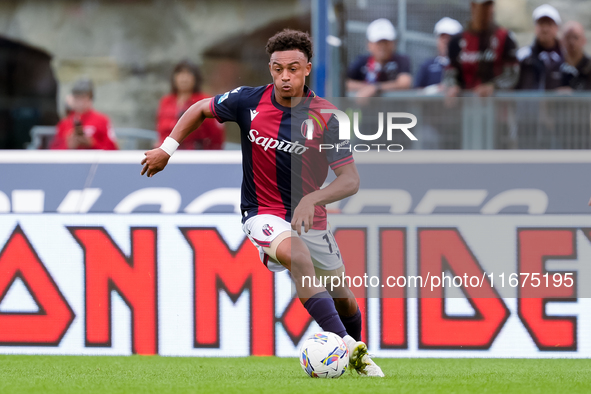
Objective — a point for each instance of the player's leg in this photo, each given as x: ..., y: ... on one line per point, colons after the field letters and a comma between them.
x: 343, y: 297
x: 328, y: 261
x: 280, y: 248
x: 328, y: 264
x: 293, y: 253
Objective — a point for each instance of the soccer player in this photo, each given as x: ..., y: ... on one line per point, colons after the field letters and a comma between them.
x: 282, y: 175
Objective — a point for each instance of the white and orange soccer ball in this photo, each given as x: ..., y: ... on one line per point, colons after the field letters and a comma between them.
x: 324, y: 355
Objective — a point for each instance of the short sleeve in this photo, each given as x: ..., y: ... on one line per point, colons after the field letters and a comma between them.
x: 404, y: 64
x: 510, y: 49
x: 421, y: 79
x: 355, y: 70
x: 225, y: 107
x: 452, y: 75
x: 341, y: 153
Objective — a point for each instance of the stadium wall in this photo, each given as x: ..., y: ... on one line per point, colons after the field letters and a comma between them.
x: 129, y: 48
x: 103, y: 261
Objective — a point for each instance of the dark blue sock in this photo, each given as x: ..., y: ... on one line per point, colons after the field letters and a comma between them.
x: 321, y: 308
x: 353, y: 325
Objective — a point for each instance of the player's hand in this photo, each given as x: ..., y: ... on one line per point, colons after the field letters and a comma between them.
x: 154, y: 162
x: 590, y: 203
x: 303, y: 215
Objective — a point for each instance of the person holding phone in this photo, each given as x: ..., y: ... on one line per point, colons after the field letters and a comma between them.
x: 83, y: 127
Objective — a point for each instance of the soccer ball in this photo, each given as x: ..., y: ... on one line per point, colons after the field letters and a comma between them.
x: 324, y: 355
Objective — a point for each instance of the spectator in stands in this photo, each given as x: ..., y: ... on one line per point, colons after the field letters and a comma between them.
x: 84, y: 128
x: 431, y: 71
x: 540, y: 63
x: 482, y: 58
x: 576, y: 70
x: 383, y: 69
x: 185, y: 91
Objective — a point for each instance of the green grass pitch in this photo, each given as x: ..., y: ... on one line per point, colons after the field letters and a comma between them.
x: 69, y: 374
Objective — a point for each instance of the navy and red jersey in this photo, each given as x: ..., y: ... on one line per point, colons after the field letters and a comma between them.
x: 483, y: 57
x: 279, y: 164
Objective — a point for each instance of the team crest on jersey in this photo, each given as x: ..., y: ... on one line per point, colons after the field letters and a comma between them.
x: 307, y: 127
x: 267, y: 230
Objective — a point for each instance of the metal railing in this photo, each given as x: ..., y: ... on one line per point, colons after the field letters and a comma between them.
x: 509, y: 120
x: 127, y: 138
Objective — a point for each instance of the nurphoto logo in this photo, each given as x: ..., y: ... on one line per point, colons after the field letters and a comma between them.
x: 342, y: 118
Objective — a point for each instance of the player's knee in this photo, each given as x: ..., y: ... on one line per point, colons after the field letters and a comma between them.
x: 341, y: 293
x: 301, y: 263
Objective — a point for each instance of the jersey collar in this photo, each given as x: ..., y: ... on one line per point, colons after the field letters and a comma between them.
x: 308, y: 95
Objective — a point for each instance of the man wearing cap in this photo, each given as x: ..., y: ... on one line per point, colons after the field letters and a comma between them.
x: 383, y: 69
x: 83, y: 127
x: 576, y: 70
x: 482, y: 58
x: 431, y: 71
x: 540, y: 63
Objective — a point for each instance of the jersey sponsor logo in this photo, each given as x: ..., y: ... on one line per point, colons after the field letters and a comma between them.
x: 267, y: 230
x: 225, y: 95
x: 478, y: 56
x: 272, y: 143
x: 223, y: 98
x: 253, y: 114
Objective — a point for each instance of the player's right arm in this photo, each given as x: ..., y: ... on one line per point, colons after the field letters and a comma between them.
x: 157, y: 159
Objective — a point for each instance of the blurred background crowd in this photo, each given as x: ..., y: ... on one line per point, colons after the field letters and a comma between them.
x: 98, y: 74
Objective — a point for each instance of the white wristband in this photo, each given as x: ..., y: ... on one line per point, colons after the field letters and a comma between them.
x: 169, y: 145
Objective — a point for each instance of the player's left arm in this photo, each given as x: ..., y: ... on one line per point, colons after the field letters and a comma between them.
x: 346, y: 184
x: 156, y: 159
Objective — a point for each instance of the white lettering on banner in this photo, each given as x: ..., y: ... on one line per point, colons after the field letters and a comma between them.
x: 28, y: 201
x: 168, y: 268
x: 272, y: 143
x: 169, y: 200
x: 450, y: 198
x: 215, y: 197
x: 536, y: 201
x: 399, y: 201
x: 79, y: 201
x: 4, y: 203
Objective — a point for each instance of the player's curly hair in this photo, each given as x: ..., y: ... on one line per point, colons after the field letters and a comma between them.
x: 289, y: 39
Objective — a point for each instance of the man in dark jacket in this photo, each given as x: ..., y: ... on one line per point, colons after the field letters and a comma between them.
x: 383, y: 69
x: 540, y: 63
